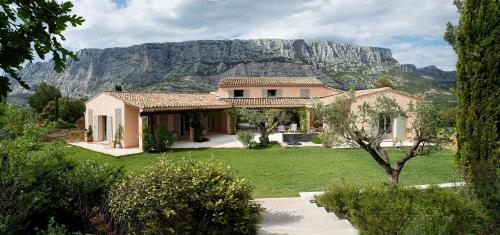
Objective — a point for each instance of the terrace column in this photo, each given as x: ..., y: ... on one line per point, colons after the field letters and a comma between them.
x: 140, y: 132
x: 309, y: 119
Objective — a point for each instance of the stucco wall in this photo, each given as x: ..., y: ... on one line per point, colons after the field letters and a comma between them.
x: 256, y: 92
x: 131, y: 127
x: 403, y: 101
x: 105, y: 105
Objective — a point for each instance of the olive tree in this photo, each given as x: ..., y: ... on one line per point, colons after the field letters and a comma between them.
x: 362, y: 128
x: 265, y: 120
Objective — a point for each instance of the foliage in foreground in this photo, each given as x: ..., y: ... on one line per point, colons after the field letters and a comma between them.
x: 391, y: 209
x: 38, y: 183
x: 476, y: 39
x: 182, y: 198
x: 28, y: 27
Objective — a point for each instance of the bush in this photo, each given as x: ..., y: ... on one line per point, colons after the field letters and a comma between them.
x: 148, y: 140
x: 326, y: 138
x: 163, y: 139
x: 245, y: 137
x: 391, y: 209
x: 185, y: 197
x: 39, y: 183
x: 316, y: 140
x: 70, y: 110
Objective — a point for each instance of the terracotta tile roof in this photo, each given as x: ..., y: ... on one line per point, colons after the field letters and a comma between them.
x: 270, y: 82
x: 156, y: 101
x: 359, y: 93
x: 268, y: 102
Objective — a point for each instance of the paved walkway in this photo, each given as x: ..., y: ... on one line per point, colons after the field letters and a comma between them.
x: 296, y: 215
x: 104, y: 148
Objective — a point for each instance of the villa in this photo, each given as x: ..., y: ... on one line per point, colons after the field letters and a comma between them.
x: 136, y: 110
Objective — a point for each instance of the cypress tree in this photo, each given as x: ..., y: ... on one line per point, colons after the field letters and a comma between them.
x: 478, y: 91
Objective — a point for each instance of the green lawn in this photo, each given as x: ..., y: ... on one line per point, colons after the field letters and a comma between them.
x: 279, y: 172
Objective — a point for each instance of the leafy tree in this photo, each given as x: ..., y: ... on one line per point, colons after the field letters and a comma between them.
x: 384, y: 81
x: 265, y: 120
x: 50, y: 112
x: 361, y: 128
x: 14, y: 121
x: 118, y: 87
x: 478, y: 91
x: 450, y: 34
x: 28, y: 26
x: 44, y: 93
x: 70, y: 110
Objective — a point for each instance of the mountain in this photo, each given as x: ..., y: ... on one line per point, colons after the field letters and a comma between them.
x: 431, y: 72
x: 196, y: 66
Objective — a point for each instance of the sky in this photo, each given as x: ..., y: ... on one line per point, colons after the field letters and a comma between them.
x: 412, y: 29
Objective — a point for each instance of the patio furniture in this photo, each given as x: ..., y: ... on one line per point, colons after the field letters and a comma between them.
x: 281, y: 129
x: 293, y: 128
x: 297, y: 137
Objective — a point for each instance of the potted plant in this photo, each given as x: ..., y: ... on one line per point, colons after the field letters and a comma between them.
x: 118, y: 137
x: 88, y: 134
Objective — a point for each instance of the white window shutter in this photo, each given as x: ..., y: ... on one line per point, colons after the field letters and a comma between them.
x: 109, y: 129
x: 279, y: 92
x: 304, y: 93
x: 246, y: 93
x: 264, y: 93
x: 231, y: 94
x: 95, y: 128
x: 400, y: 127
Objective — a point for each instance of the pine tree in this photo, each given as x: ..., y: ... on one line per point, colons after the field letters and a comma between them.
x: 478, y: 91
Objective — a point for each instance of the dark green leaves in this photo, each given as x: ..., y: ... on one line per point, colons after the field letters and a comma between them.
x: 32, y: 25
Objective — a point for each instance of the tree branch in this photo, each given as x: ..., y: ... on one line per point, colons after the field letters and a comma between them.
x: 411, y: 153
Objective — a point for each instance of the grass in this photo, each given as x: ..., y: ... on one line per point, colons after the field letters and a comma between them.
x: 282, y: 172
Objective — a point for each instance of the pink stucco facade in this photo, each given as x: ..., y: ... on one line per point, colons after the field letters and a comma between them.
x: 105, y: 112
x: 399, y: 124
x: 109, y: 113
x: 290, y: 92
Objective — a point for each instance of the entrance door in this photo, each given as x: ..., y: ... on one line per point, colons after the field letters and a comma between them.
x: 104, y: 128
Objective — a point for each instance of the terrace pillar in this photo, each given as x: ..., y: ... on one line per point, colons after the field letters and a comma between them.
x: 140, y: 125
x: 309, y: 123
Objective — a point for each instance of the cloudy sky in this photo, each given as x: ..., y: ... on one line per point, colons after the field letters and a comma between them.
x: 413, y: 29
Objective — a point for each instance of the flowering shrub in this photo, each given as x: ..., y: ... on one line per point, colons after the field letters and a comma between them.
x: 183, y: 198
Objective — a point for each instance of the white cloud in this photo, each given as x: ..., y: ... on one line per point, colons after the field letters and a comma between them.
x: 383, y: 23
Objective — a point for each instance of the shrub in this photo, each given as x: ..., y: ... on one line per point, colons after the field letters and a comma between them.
x: 38, y: 184
x: 245, y: 137
x: 163, y: 139
x: 182, y: 198
x: 326, y: 138
x: 118, y: 134
x: 316, y: 140
x: 391, y: 209
x: 148, y: 140
x: 89, y: 131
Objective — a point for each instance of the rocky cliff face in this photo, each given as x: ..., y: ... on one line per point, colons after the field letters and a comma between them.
x: 198, y: 65
x: 431, y: 72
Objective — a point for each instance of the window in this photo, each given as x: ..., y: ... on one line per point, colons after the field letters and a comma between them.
x: 271, y: 93
x: 239, y: 93
x: 385, y: 123
x: 304, y: 93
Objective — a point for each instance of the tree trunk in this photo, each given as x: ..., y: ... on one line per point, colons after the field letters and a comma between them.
x: 393, y: 177
x: 264, y: 137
